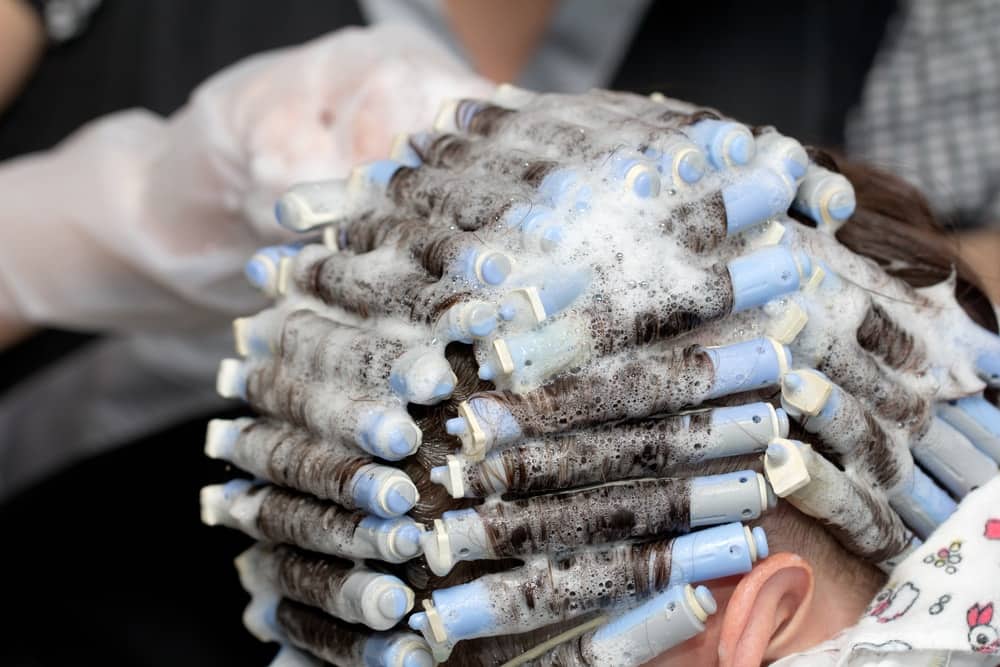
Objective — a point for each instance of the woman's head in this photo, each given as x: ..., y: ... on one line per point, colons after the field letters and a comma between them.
x: 596, y: 332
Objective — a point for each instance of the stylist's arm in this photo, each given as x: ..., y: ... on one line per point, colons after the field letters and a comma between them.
x: 22, y: 40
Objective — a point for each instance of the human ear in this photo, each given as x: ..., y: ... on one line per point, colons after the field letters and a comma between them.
x: 768, y: 614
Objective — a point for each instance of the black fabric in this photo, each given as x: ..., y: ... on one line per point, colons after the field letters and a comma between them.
x: 108, y: 564
x: 796, y: 65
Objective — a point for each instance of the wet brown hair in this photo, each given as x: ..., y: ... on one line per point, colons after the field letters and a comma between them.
x: 894, y: 226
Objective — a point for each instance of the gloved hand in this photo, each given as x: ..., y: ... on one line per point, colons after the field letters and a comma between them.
x: 139, y: 222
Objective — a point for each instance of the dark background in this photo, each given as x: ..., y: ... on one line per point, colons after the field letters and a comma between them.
x: 107, y: 563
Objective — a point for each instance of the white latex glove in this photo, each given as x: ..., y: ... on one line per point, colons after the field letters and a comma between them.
x: 138, y: 222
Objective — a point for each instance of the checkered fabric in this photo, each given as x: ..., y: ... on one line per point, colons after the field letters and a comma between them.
x: 930, y: 110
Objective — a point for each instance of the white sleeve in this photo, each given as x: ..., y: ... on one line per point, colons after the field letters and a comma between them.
x: 137, y: 222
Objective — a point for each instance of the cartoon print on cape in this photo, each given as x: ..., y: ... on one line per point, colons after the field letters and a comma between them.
x: 983, y: 635
x: 892, y: 603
